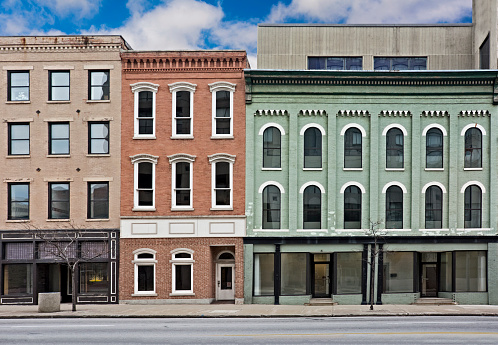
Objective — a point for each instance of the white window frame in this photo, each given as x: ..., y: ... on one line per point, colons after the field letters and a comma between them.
x: 136, y: 160
x: 144, y: 262
x: 173, y: 160
x: 136, y: 89
x: 174, y: 88
x: 182, y: 262
x: 214, y: 88
x: 213, y: 160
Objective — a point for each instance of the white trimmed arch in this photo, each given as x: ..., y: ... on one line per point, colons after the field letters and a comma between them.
x: 475, y: 125
x: 310, y: 125
x: 395, y: 125
x: 434, y: 125
x: 433, y: 183
x: 352, y: 183
x: 394, y: 183
x: 350, y: 125
x: 470, y: 183
x: 271, y: 183
x: 272, y: 124
x: 312, y: 183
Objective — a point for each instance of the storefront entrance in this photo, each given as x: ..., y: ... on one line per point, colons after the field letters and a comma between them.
x: 321, y: 275
x: 54, y: 278
x: 429, y: 275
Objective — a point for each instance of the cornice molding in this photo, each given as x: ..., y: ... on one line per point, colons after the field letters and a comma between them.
x: 435, y: 113
x: 60, y: 48
x: 474, y: 113
x: 394, y: 113
x: 311, y: 112
x: 350, y: 113
x: 271, y: 112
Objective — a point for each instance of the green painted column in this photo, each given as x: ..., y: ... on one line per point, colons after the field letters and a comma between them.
x: 454, y: 149
x: 293, y: 195
x: 493, y: 172
x: 248, y: 272
x: 250, y: 166
x: 415, y: 194
x: 374, y: 192
x: 331, y: 167
x: 493, y: 273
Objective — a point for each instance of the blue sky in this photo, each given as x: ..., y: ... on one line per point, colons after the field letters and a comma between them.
x: 211, y: 24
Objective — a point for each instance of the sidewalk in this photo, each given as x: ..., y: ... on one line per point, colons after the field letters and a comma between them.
x: 246, y: 310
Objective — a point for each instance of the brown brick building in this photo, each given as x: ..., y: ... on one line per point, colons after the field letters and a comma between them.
x: 182, y: 176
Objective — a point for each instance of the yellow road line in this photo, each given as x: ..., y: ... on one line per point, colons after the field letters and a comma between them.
x: 359, y: 333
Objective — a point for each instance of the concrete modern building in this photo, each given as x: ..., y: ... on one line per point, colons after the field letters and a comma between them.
x: 332, y: 155
x: 183, y: 176
x: 61, y: 120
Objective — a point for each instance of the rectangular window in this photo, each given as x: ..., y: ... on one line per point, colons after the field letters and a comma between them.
x: 98, y: 137
x: 145, y: 279
x: 222, y: 185
x: 18, y: 279
x: 293, y: 274
x: 145, y: 113
x: 144, y: 184
x: 182, y: 185
x: 18, y: 86
x: 399, y: 63
x: 18, y: 251
x: 98, y: 85
x: 18, y: 201
x: 263, y: 275
x: 398, y: 272
x: 93, y: 277
x: 445, y: 273
x: 470, y: 271
x: 58, y: 200
x: 348, y: 273
x: 183, y: 277
x: 18, y: 138
x: 98, y: 200
x: 183, y: 114
x: 58, y: 89
x: 58, y: 133
x: 335, y: 63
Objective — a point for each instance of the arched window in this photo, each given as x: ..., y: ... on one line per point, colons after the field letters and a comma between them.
x: 352, y: 208
x: 145, y: 271
x: 394, y: 148
x: 312, y: 208
x: 433, y: 208
x: 271, y: 207
x: 394, y: 208
x: 145, y: 109
x: 473, y: 207
x: 182, y: 268
x: 181, y: 181
x: 352, y: 148
x: 271, y: 148
x: 473, y: 148
x: 312, y: 148
x: 144, y: 181
x: 434, y: 149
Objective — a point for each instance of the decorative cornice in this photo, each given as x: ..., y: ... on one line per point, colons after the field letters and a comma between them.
x: 394, y: 113
x: 363, y: 113
x: 367, y: 81
x: 144, y: 157
x: 158, y: 63
x: 144, y: 86
x: 59, y: 48
x: 310, y: 112
x: 436, y: 113
x: 221, y: 157
x: 474, y: 113
x: 181, y: 157
x: 269, y: 112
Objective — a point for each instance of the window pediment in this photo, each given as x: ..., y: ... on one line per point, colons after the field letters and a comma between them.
x: 143, y: 157
x: 144, y: 86
x: 182, y: 86
x: 221, y: 157
x: 222, y: 85
x: 181, y: 157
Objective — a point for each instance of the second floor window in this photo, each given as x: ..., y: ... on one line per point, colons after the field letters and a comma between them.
x: 352, y: 148
x: 312, y: 208
x: 58, y: 134
x: 394, y: 148
x: 98, y: 137
x: 271, y: 207
x: 222, y: 98
x: 18, y: 86
x: 182, y: 192
x: 473, y: 207
x: 271, y: 148
x: 18, y: 201
x: 434, y: 149
x: 394, y: 208
x: 312, y: 148
x: 58, y: 201
x: 98, y: 200
x: 18, y: 138
x: 433, y: 208
x: 59, y: 86
x: 352, y: 208
x: 473, y: 148
x: 98, y: 88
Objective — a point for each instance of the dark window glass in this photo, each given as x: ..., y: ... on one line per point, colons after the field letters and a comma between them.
x: 145, y: 278
x: 223, y: 112
x: 98, y: 200
x: 312, y: 148
x: 394, y: 148
x: 271, y: 148
x: 400, y: 63
x: 183, y: 256
x: 59, y: 86
x: 58, y: 201
x: 271, y: 207
x: 352, y: 148
x: 145, y: 112
x: 18, y: 138
x: 352, y: 208
x: 335, y: 63
x: 98, y: 140
x: 18, y: 86
x: 58, y: 134
x: 182, y: 184
x: 93, y: 277
x: 484, y: 54
x: 145, y: 184
x: 98, y: 85
x: 312, y: 208
x: 183, y: 278
x: 222, y: 184
x: 18, y: 251
x: 183, y: 116
x: 145, y: 256
x: 473, y: 207
x: 18, y: 201
x: 434, y: 148
x: 17, y: 279
x: 394, y: 208
x: 473, y: 148
x: 433, y: 208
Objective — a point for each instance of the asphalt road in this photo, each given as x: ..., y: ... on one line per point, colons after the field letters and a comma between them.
x: 357, y: 330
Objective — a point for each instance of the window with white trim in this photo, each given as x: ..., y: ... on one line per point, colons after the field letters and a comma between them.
x: 183, y: 109
x: 222, y: 95
x: 181, y: 181
x: 145, y: 271
x: 222, y: 180
x: 145, y: 109
x: 182, y: 261
x: 144, y: 181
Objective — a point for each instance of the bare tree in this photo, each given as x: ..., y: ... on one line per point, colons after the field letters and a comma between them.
x: 377, y: 236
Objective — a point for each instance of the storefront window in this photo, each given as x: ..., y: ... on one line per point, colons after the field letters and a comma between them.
x: 293, y: 274
x: 348, y: 273
x: 93, y: 277
x: 263, y: 275
x: 17, y: 279
x: 470, y: 271
x: 445, y: 283
x: 398, y: 272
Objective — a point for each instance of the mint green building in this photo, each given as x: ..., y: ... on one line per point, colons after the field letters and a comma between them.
x: 332, y: 155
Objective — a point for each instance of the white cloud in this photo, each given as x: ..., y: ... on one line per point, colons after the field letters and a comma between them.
x: 76, y: 8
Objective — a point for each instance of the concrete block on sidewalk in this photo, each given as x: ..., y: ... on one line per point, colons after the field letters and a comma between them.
x: 49, y: 302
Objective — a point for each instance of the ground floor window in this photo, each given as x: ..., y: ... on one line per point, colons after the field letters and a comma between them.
x: 182, y: 260
x: 145, y: 271
x: 17, y: 279
x: 470, y: 271
x: 349, y: 269
x: 398, y: 272
x: 293, y: 281
x: 263, y: 274
x: 445, y: 272
x: 93, y: 277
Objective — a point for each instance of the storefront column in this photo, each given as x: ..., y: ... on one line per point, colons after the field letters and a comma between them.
x: 380, y: 273
x: 364, y: 274
x: 276, y: 272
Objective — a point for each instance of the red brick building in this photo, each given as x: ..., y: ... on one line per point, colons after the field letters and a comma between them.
x: 183, y: 176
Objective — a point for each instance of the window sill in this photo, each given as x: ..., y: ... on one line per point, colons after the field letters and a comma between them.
x: 144, y: 137
x: 188, y: 209
x: 98, y: 220
x: 271, y: 169
x: 58, y: 102
x: 218, y: 137
x: 98, y: 155
x: 146, y: 294
x: 472, y: 169
x: 352, y: 169
x: 395, y: 169
x: 312, y: 169
x: 58, y: 220
x: 17, y: 221
x: 189, y: 137
x: 98, y: 101
x: 221, y: 209
x: 434, y: 169
x: 143, y: 209
x: 58, y: 156
x: 18, y: 102
x: 18, y: 156
x: 182, y: 294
